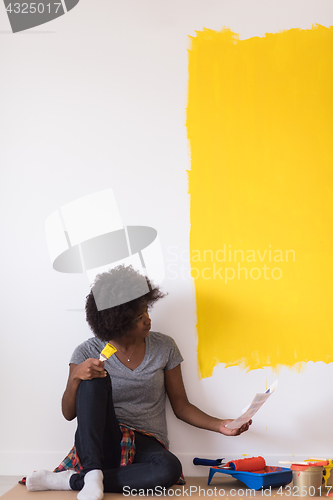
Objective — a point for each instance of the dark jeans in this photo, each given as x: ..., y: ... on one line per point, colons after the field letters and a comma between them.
x: 97, y: 442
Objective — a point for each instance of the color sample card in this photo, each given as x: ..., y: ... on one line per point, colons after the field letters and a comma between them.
x: 260, y: 130
x: 255, y: 405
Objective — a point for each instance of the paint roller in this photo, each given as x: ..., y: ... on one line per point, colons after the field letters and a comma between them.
x: 253, y: 464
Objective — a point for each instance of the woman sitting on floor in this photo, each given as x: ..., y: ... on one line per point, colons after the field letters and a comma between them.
x: 121, y: 438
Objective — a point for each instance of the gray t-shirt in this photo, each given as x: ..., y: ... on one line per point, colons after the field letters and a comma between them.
x: 138, y: 395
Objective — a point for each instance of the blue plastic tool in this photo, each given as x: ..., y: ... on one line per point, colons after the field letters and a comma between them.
x: 274, y: 477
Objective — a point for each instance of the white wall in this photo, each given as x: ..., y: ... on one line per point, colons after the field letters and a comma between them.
x: 97, y: 99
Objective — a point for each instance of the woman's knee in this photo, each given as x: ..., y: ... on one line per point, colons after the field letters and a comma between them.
x: 95, y: 384
x: 93, y: 392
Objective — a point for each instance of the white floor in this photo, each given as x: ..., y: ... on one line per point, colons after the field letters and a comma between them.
x: 7, y: 483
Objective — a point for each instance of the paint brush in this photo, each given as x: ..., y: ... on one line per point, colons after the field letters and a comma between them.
x: 306, y: 462
x: 108, y: 350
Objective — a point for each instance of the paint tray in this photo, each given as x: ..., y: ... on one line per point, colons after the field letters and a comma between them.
x: 272, y: 477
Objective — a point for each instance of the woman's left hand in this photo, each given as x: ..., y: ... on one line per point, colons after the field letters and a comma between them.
x: 233, y: 432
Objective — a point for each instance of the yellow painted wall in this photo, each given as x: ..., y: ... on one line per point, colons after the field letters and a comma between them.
x: 260, y: 130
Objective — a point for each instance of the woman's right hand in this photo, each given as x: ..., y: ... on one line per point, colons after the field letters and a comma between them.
x: 89, y: 369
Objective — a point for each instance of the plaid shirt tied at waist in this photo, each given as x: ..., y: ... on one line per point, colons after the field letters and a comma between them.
x: 72, y: 460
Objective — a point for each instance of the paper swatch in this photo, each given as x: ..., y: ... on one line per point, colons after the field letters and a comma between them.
x: 249, y: 411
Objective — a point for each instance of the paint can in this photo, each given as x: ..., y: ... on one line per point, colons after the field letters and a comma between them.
x: 307, y: 481
x: 328, y: 471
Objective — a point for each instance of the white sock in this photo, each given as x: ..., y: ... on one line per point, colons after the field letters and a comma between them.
x: 42, y: 480
x: 93, y: 486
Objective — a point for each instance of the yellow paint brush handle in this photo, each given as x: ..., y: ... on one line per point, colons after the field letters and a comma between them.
x: 108, y: 350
